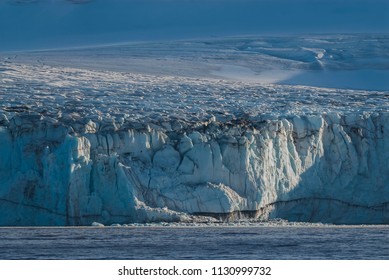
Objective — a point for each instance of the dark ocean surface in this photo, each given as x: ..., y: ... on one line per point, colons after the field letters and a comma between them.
x: 319, y: 242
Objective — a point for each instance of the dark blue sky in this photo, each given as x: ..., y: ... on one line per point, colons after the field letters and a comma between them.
x: 32, y: 24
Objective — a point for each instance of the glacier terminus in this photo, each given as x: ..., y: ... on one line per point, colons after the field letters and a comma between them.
x: 82, y: 142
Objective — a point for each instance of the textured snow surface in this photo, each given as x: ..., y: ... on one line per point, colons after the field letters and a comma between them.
x: 82, y: 146
x: 349, y: 61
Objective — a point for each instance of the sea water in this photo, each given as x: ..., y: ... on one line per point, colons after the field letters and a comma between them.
x: 157, y: 242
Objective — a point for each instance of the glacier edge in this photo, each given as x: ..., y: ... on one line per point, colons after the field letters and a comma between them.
x: 330, y: 168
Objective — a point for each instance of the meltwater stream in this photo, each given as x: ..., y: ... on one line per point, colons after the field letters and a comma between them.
x: 322, y: 242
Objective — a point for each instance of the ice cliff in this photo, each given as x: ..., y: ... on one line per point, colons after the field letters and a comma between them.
x: 328, y: 168
x: 116, y: 148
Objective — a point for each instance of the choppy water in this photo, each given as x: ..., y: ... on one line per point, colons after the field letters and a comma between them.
x: 195, y: 243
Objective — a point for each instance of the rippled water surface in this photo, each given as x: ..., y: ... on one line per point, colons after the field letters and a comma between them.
x: 196, y: 243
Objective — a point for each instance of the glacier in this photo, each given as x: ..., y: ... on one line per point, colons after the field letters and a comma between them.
x: 83, y: 145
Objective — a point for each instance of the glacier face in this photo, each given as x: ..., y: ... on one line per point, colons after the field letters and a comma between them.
x: 83, y: 140
x: 108, y: 147
x: 318, y: 168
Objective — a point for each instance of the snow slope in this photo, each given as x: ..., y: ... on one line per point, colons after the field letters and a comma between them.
x: 82, y: 145
x: 350, y: 61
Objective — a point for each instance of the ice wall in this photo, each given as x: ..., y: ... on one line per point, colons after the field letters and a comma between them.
x: 317, y: 167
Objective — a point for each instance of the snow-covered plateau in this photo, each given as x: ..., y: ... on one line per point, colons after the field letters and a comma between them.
x: 83, y: 142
